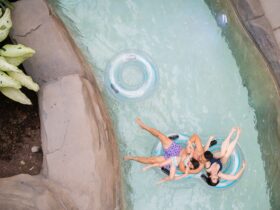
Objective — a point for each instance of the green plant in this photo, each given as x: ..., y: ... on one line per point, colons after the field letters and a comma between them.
x: 6, y: 4
x: 11, y: 56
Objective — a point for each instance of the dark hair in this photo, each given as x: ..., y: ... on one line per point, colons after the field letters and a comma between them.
x: 195, y: 163
x: 208, y: 155
x: 208, y: 180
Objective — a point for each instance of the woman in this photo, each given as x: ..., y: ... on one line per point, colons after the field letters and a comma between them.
x: 171, y: 149
x: 198, y: 153
x: 214, y: 164
x: 173, y: 162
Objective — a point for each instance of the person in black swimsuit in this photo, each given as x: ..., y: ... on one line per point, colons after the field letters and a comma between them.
x: 214, y: 164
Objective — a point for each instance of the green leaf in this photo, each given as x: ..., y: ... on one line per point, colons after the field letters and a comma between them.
x: 6, y: 4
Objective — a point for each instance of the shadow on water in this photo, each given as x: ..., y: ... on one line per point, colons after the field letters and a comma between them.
x: 262, y: 90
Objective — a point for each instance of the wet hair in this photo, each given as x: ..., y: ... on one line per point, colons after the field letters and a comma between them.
x: 208, y: 180
x: 208, y: 155
x: 195, y: 163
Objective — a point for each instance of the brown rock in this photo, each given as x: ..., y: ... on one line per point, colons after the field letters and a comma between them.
x: 30, y: 192
x: 80, y: 153
x: 248, y: 9
x: 55, y: 56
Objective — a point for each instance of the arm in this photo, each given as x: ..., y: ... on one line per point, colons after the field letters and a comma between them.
x: 196, y: 140
x: 183, y: 168
x: 181, y: 165
x: 182, y: 176
x: 206, y: 147
x: 233, y: 177
x: 196, y: 171
x: 170, y: 177
x: 188, y: 171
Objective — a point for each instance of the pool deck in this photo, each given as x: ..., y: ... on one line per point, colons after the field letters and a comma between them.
x: 261, y: 18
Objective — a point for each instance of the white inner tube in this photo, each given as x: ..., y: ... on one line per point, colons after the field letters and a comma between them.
x: 144, y: 65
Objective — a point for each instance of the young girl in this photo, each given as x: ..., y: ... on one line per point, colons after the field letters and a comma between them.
x: 173, y: 162
x: 215, y: 162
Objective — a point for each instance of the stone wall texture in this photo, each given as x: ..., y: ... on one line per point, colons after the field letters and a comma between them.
x: 81, y: 163
x: 261, y: 18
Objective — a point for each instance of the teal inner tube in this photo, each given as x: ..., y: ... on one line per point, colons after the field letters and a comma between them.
x: 180, y: 139
x: 131, y: 75
x: 233, y: 165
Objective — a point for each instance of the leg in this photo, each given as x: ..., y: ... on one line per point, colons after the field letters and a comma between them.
x: 224, y: 147
x: 230, y: 148
x: 225, y: 144
x: 165, y: 141
x: 146, y: 160
x: 162, y: 164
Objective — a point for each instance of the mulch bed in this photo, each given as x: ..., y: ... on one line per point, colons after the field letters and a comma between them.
x: 19, y: 132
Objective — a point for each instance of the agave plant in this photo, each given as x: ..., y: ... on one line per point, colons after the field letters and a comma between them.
x: 6, y: 4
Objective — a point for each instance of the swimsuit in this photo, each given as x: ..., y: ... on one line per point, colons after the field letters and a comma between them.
x: 175, y: 161
x: 173, y: 150
x: 212, y: 161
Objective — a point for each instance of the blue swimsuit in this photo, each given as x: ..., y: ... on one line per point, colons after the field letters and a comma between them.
x: 218, y: 161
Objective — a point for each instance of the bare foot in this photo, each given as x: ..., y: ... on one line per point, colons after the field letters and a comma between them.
x: 146, y: 168
x: 238, y: 131
x: 139, y: 122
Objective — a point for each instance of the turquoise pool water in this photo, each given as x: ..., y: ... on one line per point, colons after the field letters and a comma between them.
x: 200, y: 89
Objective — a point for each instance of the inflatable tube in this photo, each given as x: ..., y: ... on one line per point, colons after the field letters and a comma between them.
x: 131, y: 75
x: 232, y: 166
x: 180, y: 139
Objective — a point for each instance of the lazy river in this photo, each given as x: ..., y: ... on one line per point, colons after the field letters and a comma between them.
x: 205, y: 85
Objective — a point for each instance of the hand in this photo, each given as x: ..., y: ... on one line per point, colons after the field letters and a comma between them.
x: 211, y: 138
x: 163, y: 180
x: 243, y: 164
x: 160, y: 181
